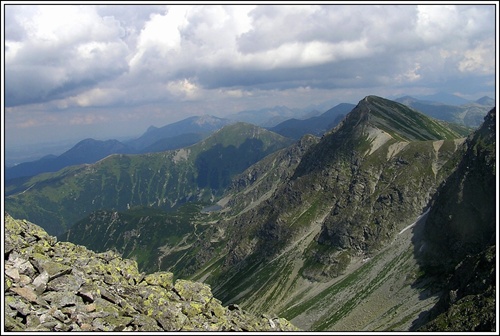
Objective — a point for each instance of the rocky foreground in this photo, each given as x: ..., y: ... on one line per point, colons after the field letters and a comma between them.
x: 59, y: 286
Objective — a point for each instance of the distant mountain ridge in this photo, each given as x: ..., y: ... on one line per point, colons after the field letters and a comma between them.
x: 200, y: 125
x: 193, y: 129
x: 173, y: 136
x: 270, y: 116
x: 165, y: 180
x: 317, y: 125
x: 486, y: 101
x: 86, y: 151
x: 445, y: 99
x: 470, y: 114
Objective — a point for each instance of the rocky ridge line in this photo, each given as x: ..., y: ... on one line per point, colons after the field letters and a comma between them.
x: 59, y: 286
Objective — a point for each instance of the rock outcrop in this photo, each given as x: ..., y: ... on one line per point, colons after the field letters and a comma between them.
x: 459, y: 246
x: 59, y: 286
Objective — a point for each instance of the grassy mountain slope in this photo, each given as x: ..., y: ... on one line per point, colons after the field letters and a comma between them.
x: 141, y: 233
x: 170, y: 240
x: 293, y: 233
x: 197, y: 173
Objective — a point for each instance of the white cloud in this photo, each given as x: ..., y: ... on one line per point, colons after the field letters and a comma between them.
x: 479, y: 58
x: 411, y: 75
x: 436, y: 22
x: 65, y: 48
x: 160, y: 35
x: 183, y: 89
x: 142, y: 58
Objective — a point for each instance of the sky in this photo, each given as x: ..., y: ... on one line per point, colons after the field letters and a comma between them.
x: 105, y: 71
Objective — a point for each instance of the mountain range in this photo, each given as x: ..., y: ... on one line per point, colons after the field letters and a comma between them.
x: 316, y: 125
x: 197, y: 127
x: 173, y: 136
x: 169, y: 137
x: 267, y: 117
x: 120, y: 181
x: 469, y: 114
x: 194, y: 129
x: 370, y: 225
x: 86, y: 151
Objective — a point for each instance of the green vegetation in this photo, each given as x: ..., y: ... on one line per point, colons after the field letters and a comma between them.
x: 138, y: 233
x: 404, y: 123
x: 289, y: 227
x: 164, y: 180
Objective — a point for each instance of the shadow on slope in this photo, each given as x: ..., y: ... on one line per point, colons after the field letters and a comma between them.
x: 456, y: 249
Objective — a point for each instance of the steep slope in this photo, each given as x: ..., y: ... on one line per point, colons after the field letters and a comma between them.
x: 143, y: 234
x: 464, y: 208
x: 86, y: 151
x: 459, y: 240
x: 197, y: 173
x: 55, y: 286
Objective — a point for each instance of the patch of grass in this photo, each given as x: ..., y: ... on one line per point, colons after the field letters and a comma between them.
x: 327, y: 295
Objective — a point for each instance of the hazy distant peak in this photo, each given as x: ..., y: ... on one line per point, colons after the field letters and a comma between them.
x: 209, y: 120
x: 486, y: 101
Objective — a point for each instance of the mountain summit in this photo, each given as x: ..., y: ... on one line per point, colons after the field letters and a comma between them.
x: 373, y: 123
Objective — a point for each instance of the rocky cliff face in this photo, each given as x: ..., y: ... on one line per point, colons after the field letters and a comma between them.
x: 459, y: 241
x: 468, y: 303
x: 59, y: 286
x: 462, y: 218
x: 351, y: 192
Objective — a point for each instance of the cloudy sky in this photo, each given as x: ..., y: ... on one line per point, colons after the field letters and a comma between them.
x: 104, y: 71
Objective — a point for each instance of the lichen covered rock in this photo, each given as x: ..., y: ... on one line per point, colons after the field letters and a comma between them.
x: 59, y: 286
